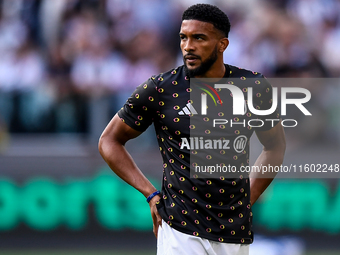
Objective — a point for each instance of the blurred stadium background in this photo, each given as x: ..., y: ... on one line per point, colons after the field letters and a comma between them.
x: 67, y: 66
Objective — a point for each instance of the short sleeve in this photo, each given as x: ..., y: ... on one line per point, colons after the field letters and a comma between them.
x: 265, y: 103
x: 141, y: 108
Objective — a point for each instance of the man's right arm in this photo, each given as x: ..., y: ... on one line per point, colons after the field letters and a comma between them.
x: 112, y: 148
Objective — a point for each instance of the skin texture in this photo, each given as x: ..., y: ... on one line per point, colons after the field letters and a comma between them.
x: 274, y: 146
x: 199, y: 41
x: 111, y: 147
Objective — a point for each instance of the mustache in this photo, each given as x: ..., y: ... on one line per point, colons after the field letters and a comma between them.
x: 191, y: 55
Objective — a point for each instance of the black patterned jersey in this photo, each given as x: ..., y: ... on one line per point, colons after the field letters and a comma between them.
x: 217, y: 209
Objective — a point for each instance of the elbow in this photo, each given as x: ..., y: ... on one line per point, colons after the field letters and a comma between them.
x: 277, y: 150
x: 107, y: 145
x: 101, y: 145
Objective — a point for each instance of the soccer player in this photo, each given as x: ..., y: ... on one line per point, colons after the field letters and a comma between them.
x: 194, y: 215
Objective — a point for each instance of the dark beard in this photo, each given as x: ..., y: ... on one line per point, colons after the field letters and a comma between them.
x: 203, y: 68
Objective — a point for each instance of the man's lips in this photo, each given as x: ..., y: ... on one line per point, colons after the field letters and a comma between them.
x: 191, y: 58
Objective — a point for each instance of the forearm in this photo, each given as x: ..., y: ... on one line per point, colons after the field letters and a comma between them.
x: 260, y: 181
x: 120, y: 161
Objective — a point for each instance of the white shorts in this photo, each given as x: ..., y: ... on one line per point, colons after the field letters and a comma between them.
x: 172, y: 242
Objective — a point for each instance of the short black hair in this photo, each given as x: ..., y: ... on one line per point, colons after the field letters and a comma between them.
x: 208, y: 13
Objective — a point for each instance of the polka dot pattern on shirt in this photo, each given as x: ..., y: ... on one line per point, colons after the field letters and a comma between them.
x: 217, y: 209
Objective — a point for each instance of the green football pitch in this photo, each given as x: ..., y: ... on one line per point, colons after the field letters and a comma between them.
x: 111, y: 252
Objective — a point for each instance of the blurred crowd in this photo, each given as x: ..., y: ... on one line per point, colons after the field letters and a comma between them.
x: 69, y: 65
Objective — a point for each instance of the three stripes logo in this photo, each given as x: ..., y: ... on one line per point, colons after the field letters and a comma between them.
x: 188, y: 110
x: 240, y: 143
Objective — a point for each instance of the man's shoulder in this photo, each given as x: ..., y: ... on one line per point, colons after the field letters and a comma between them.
x: 172, y: 75
x: 238, y: 72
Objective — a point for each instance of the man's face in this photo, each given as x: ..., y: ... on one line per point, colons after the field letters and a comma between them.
x: 199, y: 42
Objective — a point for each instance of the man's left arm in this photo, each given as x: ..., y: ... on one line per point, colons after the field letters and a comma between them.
x: 274, y: 146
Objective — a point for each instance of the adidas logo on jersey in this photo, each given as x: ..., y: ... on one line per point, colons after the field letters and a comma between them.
x: 188, y: 110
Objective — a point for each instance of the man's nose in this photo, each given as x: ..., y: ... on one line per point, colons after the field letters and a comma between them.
x: 189, y: 46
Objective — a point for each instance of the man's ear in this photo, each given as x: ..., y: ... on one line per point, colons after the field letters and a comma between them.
x: 224, y: 42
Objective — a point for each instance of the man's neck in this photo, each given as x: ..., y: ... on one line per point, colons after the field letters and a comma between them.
x: 216, y: 72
